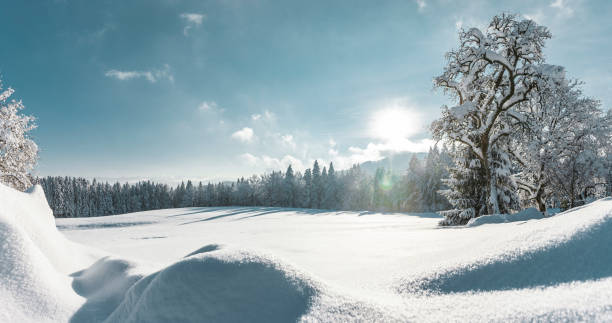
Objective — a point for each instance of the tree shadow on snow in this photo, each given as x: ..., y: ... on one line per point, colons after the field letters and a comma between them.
x: 201, y: 210
x: 103, y: 225
x: 206, y: 248
x: 264, y: 210
x: 418, y: 215
x: 239, y: 211
x: 586, y: 256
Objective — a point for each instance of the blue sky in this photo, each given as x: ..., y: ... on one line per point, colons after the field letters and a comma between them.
x: 174, y: 89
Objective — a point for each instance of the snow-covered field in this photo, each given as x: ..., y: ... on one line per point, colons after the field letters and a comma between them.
x: 280, y: 265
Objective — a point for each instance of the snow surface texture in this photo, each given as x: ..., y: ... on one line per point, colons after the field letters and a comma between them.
x: 230, y: 264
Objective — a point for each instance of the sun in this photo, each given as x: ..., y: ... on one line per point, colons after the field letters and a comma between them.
x: 394, y: 124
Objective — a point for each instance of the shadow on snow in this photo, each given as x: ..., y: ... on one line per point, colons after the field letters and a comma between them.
x: 585, y: 256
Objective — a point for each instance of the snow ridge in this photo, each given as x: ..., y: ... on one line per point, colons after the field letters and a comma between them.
x: 582, y: 253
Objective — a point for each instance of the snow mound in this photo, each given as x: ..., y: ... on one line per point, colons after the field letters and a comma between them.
x: 209, y: 284
x: 581, y: 253
x: 218, y: 286
x: 104, y: 285
x: 33, y: 262
x: 525, y: 215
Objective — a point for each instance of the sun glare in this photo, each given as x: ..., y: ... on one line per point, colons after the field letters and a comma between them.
x: 394, y: 123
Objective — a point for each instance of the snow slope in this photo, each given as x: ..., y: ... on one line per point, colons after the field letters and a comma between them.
x: 34, y: 261
x: 279, y: 265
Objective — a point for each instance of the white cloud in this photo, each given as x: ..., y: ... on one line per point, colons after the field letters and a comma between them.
x: 266, y: 115
x: 245, y: 134
x: 288, y: 140
x: 151, y: 76
x: 207, y: 105
x: 272, y: 163
x: 193, y: 20
x: 332, y: 142
x: 378, y: 151
x: 536, y: 16
x: 123, y: 75
x: 249, y: 159
x: 555, y: 13
x: 270, y: 116
x: 421, y: 4
x: 563, y: 6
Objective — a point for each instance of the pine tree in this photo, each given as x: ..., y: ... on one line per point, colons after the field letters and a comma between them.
x: 307, y: 192
x: 188, y: 196
x: 315, y: 193
x: 330, y: 200
x: 290, y: 188
x: 466, y: 189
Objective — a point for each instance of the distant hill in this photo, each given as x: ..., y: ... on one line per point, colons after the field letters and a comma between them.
x: 397, y: 163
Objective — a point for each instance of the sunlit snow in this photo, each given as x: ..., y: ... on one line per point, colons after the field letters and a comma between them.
x: 279, y: 265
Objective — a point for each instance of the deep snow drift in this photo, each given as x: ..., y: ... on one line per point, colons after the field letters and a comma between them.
x: 279, y: 265
x: 34, y: 260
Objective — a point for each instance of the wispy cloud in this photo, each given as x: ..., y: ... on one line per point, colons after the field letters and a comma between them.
x: 150, y: 75
x: 207, y: 106
x: 267, y: 115
x: 288, y: 140
x: 421, y: 4
x: 378, y: 151
x: 192, y: 20
x: 332, y: 142
x: 249, y: 159
x: 563, y: 6
x: 245, y: 134
x: 272, y: 163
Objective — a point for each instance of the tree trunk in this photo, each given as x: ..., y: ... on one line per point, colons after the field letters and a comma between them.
x: 540, y: 201
x: 492, y: 198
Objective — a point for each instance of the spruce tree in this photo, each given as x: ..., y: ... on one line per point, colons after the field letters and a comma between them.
x: 315, y: 193
x: 466, y: 189
x: 289, y: 187
x: 307, y: 192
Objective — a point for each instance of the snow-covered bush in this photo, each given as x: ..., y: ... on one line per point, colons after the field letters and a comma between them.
x: 18, y: 153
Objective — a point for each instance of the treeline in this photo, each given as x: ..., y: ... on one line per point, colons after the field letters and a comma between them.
x: 319, y: 188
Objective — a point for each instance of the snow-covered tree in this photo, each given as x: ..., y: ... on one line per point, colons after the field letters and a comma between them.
x: 306, y: 197
x: 489, y: 76
x: 466, y: 190
x: 580, y: 172
x: 289, y: 188
x: 18, y: 153
x: 330, y: 192
x: 315, y: 192
x: 559, y: 127
x: 189, y: 195
x: 413, y: 184
x: 436, y: 165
